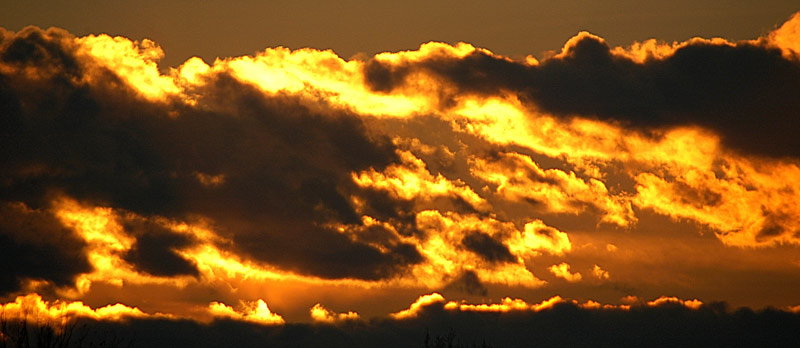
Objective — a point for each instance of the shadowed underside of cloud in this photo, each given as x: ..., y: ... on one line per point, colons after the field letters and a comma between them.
x: 272, y: 173
x: 746, y: 92
x: 35, y: 245
x: 556, y: 322
x: 563, y: 325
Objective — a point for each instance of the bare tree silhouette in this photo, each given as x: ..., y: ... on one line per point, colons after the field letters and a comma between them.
x: 449, y: 340
x: 31, y: 331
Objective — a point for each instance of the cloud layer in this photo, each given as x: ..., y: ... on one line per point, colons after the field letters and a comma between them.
x: 512, y: 323
x: 447, y: 168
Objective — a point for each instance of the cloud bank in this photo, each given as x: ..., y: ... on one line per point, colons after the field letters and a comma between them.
x: 512, y: 323
x: 448, y: 168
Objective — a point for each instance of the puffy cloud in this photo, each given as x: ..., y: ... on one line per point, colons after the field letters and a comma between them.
x: 562, y: 271
x: 508, y: 323
x: 324, y: 315
x: 506, y: 305
x: 418, y: 305
x: 253, y: 311
x: 300, y: 166
x: 787, y: 37
x: 693, y: 304
x: 155, y: 250
x: 411, y: 180
x: 644, y: 112
x: 133, y: 61
x: 33, y: 307
x: 689, y: 86
x: 742, y: 200
x: 261, y: 167
x: 537, y: 237
x: 116, y: 253
x: 517, y: 177
x: 36, y: 247
x: 493, y: 250
x: 600, y: 273
x: 318, y: 73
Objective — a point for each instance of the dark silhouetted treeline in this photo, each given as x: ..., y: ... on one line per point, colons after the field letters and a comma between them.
x: 565, y: 325
x: 32, y: 332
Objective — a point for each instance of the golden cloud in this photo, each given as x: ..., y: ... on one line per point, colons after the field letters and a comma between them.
x: 324, y: 315
x: 252, y: 311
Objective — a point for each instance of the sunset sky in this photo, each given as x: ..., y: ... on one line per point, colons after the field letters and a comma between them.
x: 330, y: 164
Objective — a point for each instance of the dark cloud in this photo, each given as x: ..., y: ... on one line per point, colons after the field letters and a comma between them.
x: 469, y: 283
x: 154, y: 249
x: 35, y: 246
x: 747, y: 93
x: 487, y: 247
x: 39, y: 49
x: 273, y: 173
x: 565, y: 325
x: 699, y: 198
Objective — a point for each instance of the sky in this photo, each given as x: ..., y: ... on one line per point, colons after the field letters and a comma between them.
x: 306, y: 173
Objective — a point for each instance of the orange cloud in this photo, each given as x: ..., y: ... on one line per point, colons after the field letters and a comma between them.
x: 600, y: 273
x: 253, y: 311
x: 445, y: 250
x: 32, y: 306
x: 133, y: 61
x: 418, y: 305
x: 107, y: 242
x: 613, y: 166
x: 746, y: 202
x: 508, y: 304
x: 562, y: 271
x: 692, y: 304
x: 324, y: 315
x: 412, y: 180
x: 519, y: 178
x: 787, y: 37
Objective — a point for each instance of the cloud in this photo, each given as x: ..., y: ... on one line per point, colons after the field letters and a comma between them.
x: 469, y: 283
x: 412, y: 181
x: 506, y: 305
x: 562, y: 271
x: 693, y: 304
x: 509, y: 323
x: 744, y: 206
x: 740, y: 90
x: 487, y: 247
x: 664, y: 114
x: 36, y: 247
x: 33, y: 307
x: 154, y: 250
x: 288, y: 185
x: 447, y: 168
x: 253, y: 311
x: 453, y: 244
x: 324, y: 315
x: 517, y: 177
x: 786, y: 37
x: 418, y: 305
x: 85, y: 128
x: 114, y: 252
x: 600, y: 273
